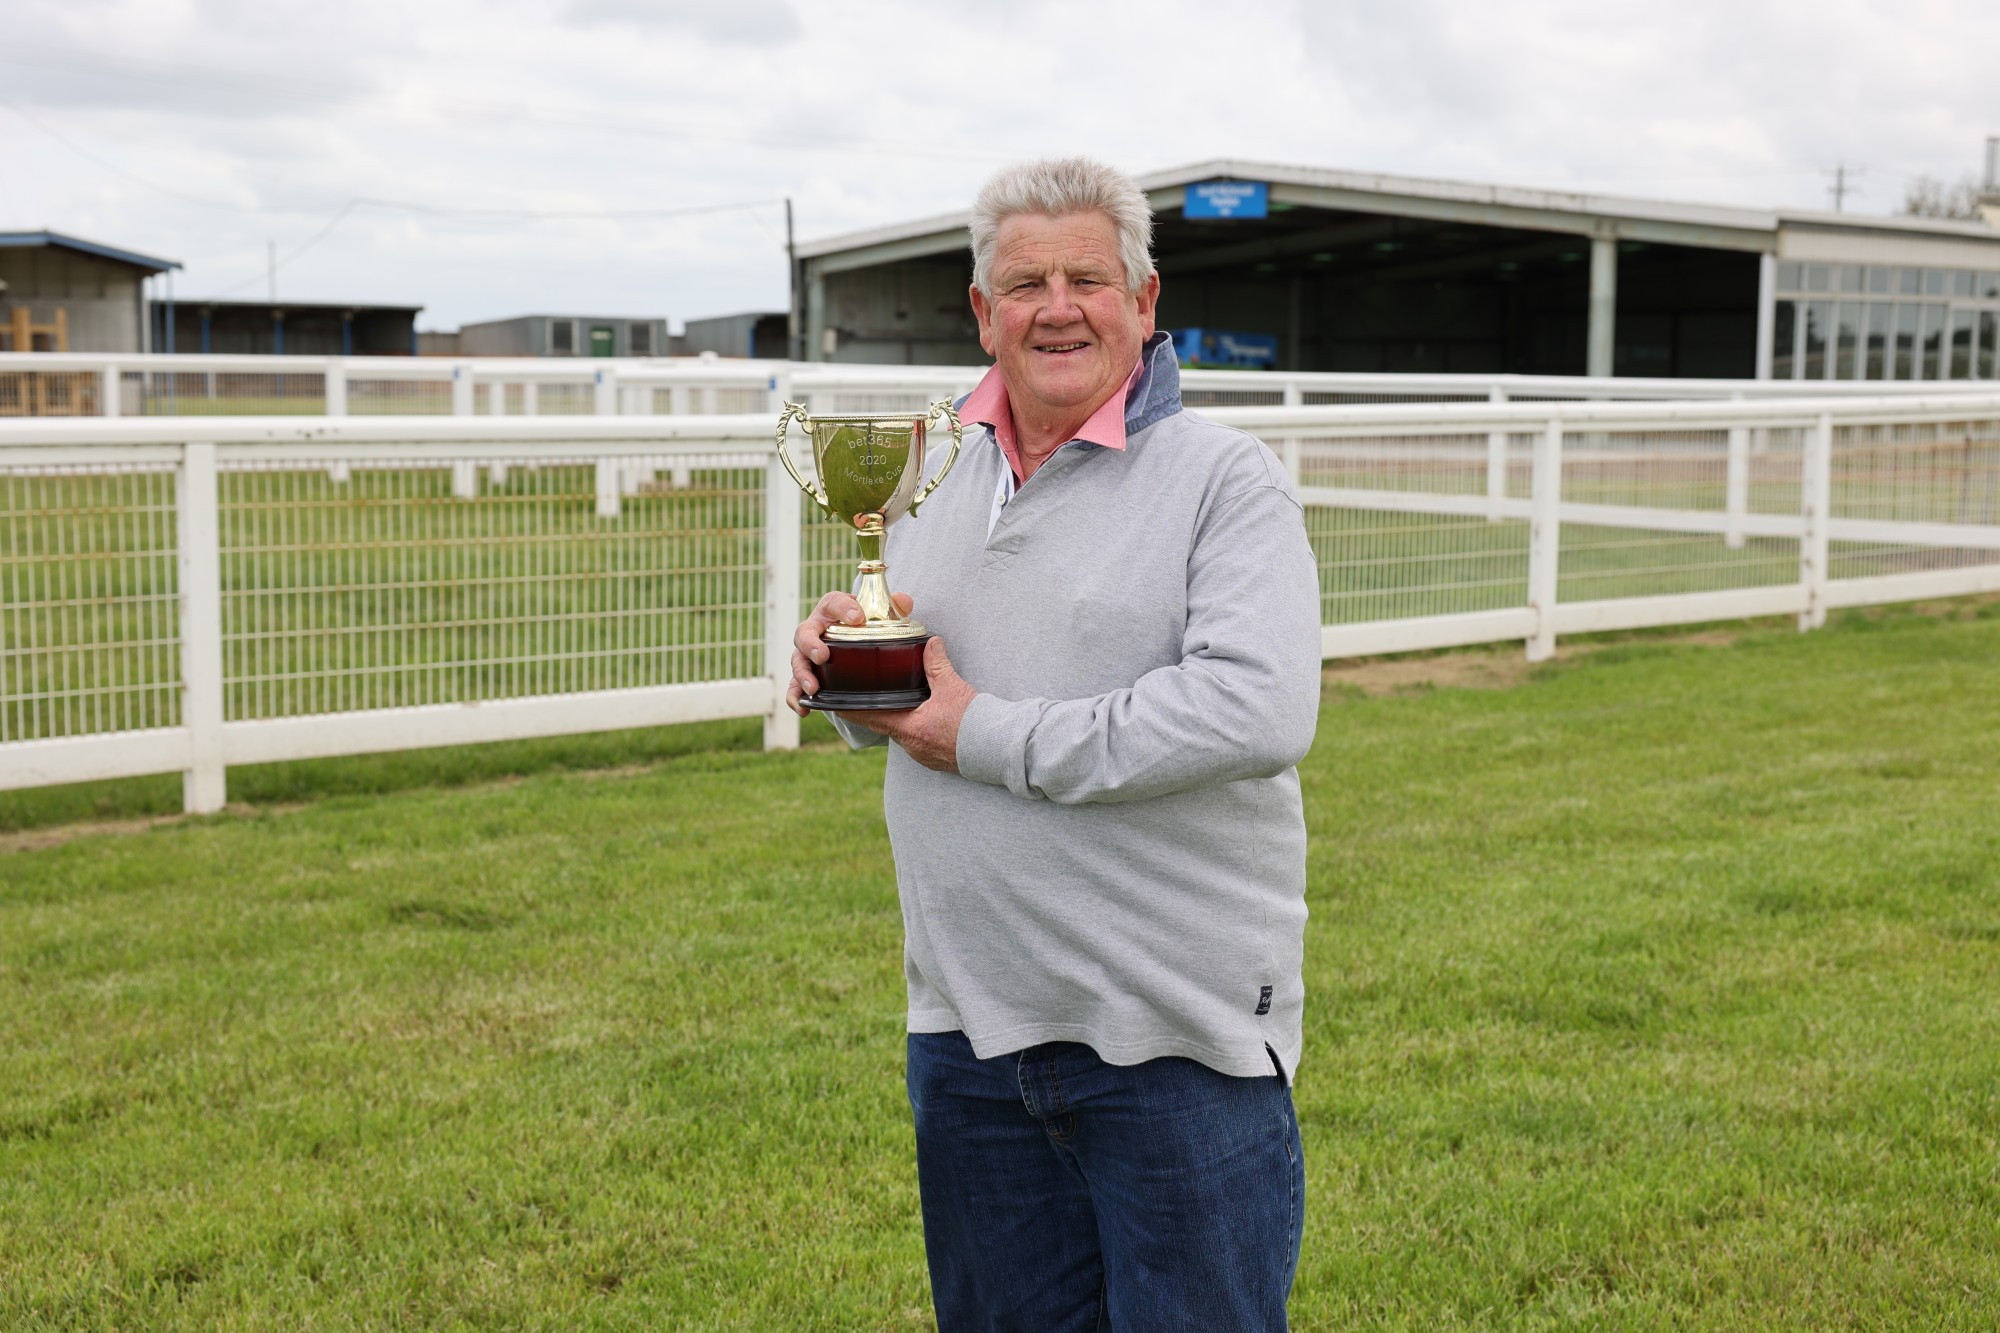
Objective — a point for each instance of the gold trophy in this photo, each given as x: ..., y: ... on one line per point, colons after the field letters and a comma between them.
x: 869, y: 465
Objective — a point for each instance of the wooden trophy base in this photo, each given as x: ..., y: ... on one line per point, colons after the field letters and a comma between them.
x: 882, y: 675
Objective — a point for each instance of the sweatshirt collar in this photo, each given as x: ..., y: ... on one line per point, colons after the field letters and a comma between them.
x: 1150, y: 393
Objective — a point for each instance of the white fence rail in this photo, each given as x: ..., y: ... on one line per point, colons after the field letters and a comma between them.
x: 77, y: 384
x: 186, y: 594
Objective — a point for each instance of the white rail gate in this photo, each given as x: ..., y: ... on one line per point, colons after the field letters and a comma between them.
x: 183, y: 594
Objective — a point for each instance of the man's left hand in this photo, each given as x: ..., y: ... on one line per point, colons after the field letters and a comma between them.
x: 929, y: 733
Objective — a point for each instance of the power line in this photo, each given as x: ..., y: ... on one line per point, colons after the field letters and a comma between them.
x: 379, y: 201
x: 209, y: 79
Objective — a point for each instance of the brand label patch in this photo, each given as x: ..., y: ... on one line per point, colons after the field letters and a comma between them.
x: 1263, y: 1001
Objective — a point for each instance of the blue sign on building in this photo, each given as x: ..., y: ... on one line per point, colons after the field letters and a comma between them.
x: 1227, y: 199
x: 1226, y: 348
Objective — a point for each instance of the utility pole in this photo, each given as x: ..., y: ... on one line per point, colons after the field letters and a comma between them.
x: 1841, y: 187
x: 793, y: 350
x: 271, y: 260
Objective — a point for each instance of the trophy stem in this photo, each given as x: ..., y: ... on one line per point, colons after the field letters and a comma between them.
x: 871, y: 589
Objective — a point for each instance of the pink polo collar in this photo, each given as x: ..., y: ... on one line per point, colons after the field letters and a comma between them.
x: 989, y: 405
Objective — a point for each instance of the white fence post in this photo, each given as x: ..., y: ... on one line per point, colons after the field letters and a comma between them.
x: 1736, y: 487
x: 109, y: 391
x: 461, y: 390
x: 531, y: 398
x: 464, y: 479
x: 1496, y: 462
x: 336, y: 388
x: 204, y: 785
x: 1289, y: 447
x: 783, y: 511
x: 1815, y: 507
x: 1545, y: 541
x: 607, y: 471
x: 605, y: 403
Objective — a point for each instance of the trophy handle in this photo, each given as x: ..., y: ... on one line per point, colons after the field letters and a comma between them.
x: 813, y: 492
x: 942, y: 407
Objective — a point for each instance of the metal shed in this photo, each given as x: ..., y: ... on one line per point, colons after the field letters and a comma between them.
x: 61, y: 293
x: 564, y: 335
x: 1370, y: 272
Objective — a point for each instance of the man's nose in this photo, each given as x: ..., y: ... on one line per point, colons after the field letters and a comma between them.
x: 1059, y: 307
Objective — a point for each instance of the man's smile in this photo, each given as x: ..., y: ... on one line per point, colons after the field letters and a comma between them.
x: 1061, y: 347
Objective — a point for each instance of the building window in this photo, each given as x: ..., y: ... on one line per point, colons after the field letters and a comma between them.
x: 640, y: 335
x: 1898, y: 335
x: 1961, y: 344
x: 1784, y: 332
x: 562, y: 337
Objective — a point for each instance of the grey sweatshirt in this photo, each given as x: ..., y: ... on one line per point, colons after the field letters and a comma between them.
x: 1120, y: 860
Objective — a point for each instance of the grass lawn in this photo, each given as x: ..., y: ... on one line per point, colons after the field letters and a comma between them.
x: 1655, y: 988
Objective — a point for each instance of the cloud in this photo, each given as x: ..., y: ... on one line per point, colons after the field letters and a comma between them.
x: 875, y: 113
x: 741, y: 22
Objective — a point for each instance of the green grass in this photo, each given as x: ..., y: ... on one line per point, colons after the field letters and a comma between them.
x: 1656, y: 992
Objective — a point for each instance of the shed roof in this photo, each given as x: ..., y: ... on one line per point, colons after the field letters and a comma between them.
x: 27, y: 239
x: 356, y: 307
x: 1663, y: 221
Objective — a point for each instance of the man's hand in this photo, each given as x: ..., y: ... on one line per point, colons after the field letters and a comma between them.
x: 929, y: 733
x: 809, y: 643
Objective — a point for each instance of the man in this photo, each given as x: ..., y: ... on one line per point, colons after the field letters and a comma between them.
x: 1099, y: 840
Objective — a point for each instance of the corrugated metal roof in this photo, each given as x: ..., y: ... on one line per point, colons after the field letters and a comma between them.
x: 1473, y: 194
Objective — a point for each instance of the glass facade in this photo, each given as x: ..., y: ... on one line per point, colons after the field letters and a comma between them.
x: 1916, y: 323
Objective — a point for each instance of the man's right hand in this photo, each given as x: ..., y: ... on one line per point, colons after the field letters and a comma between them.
x: 809, y: 642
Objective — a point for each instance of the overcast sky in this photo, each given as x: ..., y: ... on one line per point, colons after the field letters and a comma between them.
x: 201, y: 130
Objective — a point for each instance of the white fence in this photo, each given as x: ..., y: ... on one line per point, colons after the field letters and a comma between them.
x: 184, y: 594
x: 70, y: 384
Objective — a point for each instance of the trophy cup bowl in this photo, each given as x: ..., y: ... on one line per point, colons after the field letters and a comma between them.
x: 869, y: 466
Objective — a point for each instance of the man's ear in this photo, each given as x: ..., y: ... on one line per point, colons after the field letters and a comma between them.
x: 1149, y: 302
x: 984, y: 314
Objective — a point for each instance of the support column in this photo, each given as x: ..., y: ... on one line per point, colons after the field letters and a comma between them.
x: 1602, y: 337
x: 1767, y: 312
x: 815, y: 314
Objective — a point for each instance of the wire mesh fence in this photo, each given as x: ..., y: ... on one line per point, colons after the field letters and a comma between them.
x: 36, y: 393
x: 397, y: 397
x: 394, y: 589
x: 89, y: 611
x: 1945, y: 472
x: 417, y: 569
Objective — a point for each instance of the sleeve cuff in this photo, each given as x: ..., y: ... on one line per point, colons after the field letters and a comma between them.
x: 993, y: 741
x: 857, y: 738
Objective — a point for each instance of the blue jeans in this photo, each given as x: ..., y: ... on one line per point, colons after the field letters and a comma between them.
x: 1061, y: 1192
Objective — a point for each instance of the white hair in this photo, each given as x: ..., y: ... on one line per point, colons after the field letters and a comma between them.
x: 1057, y: 186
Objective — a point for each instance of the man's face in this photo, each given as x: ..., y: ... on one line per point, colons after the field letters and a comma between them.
x: 1060, y: 323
